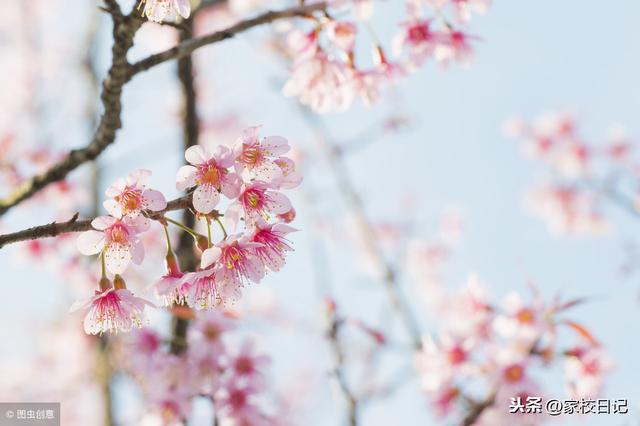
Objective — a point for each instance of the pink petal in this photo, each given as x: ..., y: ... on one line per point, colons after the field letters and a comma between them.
x: 137, y: 252
x: 186, y: 177
x: 117, y: 257
x: 136, y: 223
x: 138, y: 178
x: 278, y: 203
x: 113, y: 207
x: 116, y: 188
x: 276, y: 145
x: 196, y: 155
x: 232, y: 216
x: 230, y: 185
x: 209, y: 256
x: 90, y: 242
x: 269, y: 172
x: 205, y: 198
x: 103, y: 222
x: 154, y: 199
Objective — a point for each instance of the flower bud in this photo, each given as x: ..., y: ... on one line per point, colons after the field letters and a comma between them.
x: 118, y: 282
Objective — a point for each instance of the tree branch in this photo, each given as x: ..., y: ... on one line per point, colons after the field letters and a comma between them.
x: 74, y: 225
x: 119, y: 74
x: 190, y: 137
x: 189, y: 46
x: 124, y: 29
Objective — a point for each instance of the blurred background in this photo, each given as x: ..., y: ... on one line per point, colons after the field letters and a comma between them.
x: 433, y: 145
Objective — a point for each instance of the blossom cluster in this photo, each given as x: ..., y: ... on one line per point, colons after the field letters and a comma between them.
x: 335, y: 56
x: 329, y: 70
x: 581, y: 175
x: 159, y: 10
x: 250, y: 175
x: 490, y: 352
x: 230, y: 375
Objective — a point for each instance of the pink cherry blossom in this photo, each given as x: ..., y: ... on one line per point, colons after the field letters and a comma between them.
x: 201, y: 289
x: 259, y: 156
x: 209, y: 173
x: 343, y: 35
x: 418, y: 38
x: 247, y: 366
x: 158, y: 10
x: 112, y: 310
x: 321, y: 82
x: 257, y: 201
x: 454, y: 45
x: 207, y: 332
x: 117, y: 239
x: 236, y: 261
x: 273, y: 244
x: 172, y: 286
x: 585, y: 370
x: 131, y: 196
x: 290, y: 178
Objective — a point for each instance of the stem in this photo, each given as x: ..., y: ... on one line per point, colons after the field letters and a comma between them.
x: 102, y: 262
x: 185, y: 228
x: 208, y: 232
x: 224, y: 231
x: 166, y: 234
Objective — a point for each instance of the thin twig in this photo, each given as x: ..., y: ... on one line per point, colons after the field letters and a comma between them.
x: 55, y: 229
x: 351, y: 197
x: 119, y: 74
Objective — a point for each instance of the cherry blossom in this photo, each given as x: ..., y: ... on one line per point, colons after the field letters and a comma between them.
x: 158, y: 10
x: 209, y: 173
x: 261, y: 157
x: 117, y: 240
x: 257, y: 201
x: 130, y: 195
x: 272, y: 244
x: 111, y: 309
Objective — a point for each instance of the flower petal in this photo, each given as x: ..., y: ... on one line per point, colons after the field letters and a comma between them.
x: 209, y: 256
x: 117, y: 257
x: 196, y: 155
x: 186, y: 177
x: 205, y: 198
x: 154, y: 200
x: 90, y: 242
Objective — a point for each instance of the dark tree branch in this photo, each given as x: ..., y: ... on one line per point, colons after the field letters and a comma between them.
x: 55, y: 229
x: 124, y: 29
x: 190, y: 137
x: 187, y: 47
x: 338, y: 369
x: 119, y: 74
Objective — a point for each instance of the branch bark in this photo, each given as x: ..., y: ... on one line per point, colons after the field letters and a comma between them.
x: 190, y: 137
x: 119, y: 74
x: 55, y: 229
x: 124, y: 29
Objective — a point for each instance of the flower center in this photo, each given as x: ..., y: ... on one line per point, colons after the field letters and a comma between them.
x: 526, y: 316
x: 130, y: 200
x: 457, y: 355
x: 233, y: 255
x: 253, y: 199
x: 211, y: 175
x: 514, y: 373
x: 118, y: 234
x: 244, y: 365
x: 419, y: 33
x: 250, y: 155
